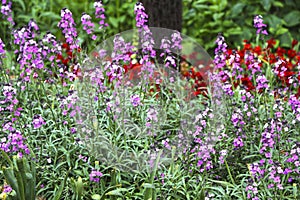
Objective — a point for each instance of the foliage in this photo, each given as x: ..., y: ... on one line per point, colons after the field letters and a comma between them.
x: 204, y: 19
x: 43, y: 129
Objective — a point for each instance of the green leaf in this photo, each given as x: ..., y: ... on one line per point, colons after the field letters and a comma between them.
x: 22, y: 4
x: 96, y: 197
x: 266, y: 4
x: 233, y: 31
x: 222, y: 183
x: 114, y: 21
x: 281, y: 31
x: 62, y: 185
x: 11, y: 179
x: 217, y: 16
x: 285, y: 40
x: 273, y: 21
x: 50, y: 15
x: 116, y: 192
x: 148, y: 185
x: 237, y: 9
x: 278, y: 4
x: 293, y: 18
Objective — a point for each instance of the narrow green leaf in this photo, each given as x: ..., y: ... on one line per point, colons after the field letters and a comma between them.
x: 59, y: 193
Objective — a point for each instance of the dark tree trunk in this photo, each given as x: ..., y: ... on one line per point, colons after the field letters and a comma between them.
x: 164, y: 13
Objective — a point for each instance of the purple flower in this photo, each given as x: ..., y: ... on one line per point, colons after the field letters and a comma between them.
x: 145, y: 33
x: 152, y: 114
x: 135, y: 100
x: 176, y: 40
x: 2, y: 51
x: 259, y: 25
x: 38, y: 121
x: 95, y: 176
x: 88, y: 25
x: 7, y: 11
x: 99, y: 13
x: 68, y: 27
x: 166, y: 47
x: 262, y: 82
x: 238, y: 142
x: 220, y: 52
x: 14, y: 143
x: 7, y: 189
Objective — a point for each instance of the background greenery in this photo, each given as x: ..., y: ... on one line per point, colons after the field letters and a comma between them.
x: 202, y: 19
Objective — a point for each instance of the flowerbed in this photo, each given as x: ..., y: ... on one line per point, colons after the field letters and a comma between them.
x: 52, y: 105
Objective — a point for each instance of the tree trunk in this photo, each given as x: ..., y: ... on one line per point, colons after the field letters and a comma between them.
x: 164, y: 13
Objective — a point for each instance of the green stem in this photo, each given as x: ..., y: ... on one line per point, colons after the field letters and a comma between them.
x: 228, y: 170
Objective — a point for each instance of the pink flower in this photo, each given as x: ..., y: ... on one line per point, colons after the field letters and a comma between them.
x: 38, y: 121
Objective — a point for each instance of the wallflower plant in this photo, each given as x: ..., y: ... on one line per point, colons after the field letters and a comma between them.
x: 44, y: 124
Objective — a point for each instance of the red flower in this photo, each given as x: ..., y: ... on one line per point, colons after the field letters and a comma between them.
x: 291, y: 53
x: 247, y: 46
x: 280, y: 51
x: 294, y: 43
x: 288, y: 74
x: 65, y: 46
x: 257, y: 50
x: 272, y: 58
x: 248, y: 83
x: 298, y: 93
x: 271, y: 42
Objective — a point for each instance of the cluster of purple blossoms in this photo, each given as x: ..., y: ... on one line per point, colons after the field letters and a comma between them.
x: 295, y: 158
x: 166, y: 47
x: 152, y: 114
x: 7, y: 188
x: 68, y: 27
x: 257, y: 170
x: 234, y: 61
x: 14, y: 143
x: 38, y: 121
x: 95, y: 176
x: 10, y: 100
x: 50, y: 47
x: 32, y: 59
x: 121, y: 49
x: 99, y: 13
x: 204, y: 153
x: 254, y: 63
x: 220, y: 52
x: 259, y: 25
x: 227, y: 88
x: 295, y: 105
x: 135, y: 100
x: 262, y: 82
x: 274, y: 173
x: 268, y: 138
x: 2, y: 51
x: 146, y: 38
x: 7, y: 12
x: 88, y: 25
x: 238, y: 142
x: 23, y: 35
x: 252, y: 191
x: 223, y: 154
x: 141, y: 17
x: 176, y: 40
